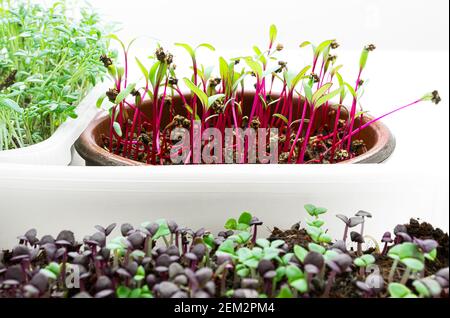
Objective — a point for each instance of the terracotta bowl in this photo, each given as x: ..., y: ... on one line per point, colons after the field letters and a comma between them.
x: 379, y: 140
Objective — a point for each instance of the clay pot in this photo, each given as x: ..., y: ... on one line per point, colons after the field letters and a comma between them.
x: 379, y: 140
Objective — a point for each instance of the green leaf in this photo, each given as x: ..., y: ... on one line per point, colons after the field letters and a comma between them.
x: 310, y: 208
x: 227, y: 247
x: 277, y: 243
x: 100, y: 101
x: 316, y: 223
x: 143, y: 69
x: 413, y: 263
x: 368, y: 259
x: 322, y: 100
x: 300, y: 284
x: 320, y: 92
x: 245, y: 218
x: 197, y: 91
x: 123, y: 292
x: 152, y: 73
x: 325, y: 238
x: 431, y: 256
x: 163, y: 230
x: 124, y: 94
x: 305, y: 44
x: 359, y: 262
x: 314, y: 232
x: 322, y: 46
x: 421, y: 288
x: 313, y: 247
x: 116, y: 38
x: 397, y: 290
x: 280, y: 273
x: 285, y: 292
x: 255, y: 66
x: 273, y: 33
x: 320, y: 210
x: 351, y: 90
x: 329, y: 255
x: 270, y: 253
x: 283, y: 118
x: 231, y: 224
x: 299, y: 76
x: 308, y: 91
x: 244, y: 237
x: 263, y: 242
x: 244, y: 272
x: 300, y: 252
x: 54, y: 268
x: 188, y: 48
x: 294, y: 273
x: 135, y: 293
x: 363, y: 58
x: 212, y: 99
x: 117, y: 128
x: 9, y: 103
x: 206, y: 45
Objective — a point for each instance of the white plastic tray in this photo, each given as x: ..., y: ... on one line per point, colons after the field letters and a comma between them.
x: 77, y: 198
x: 56, y: 150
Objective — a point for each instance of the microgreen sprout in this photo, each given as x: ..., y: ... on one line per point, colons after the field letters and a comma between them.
x: 397, y: 290
x: 386, y: 239
x: 409, y: 255
x: 309, y: 114
x: 161, y: 259
x: 349, y: 223
x: 48, y: 62
x: 363, y: 261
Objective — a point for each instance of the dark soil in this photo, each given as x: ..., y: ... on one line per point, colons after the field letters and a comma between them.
x: 344, y: 286
x: 294, y: 236
x: 318, y: 151
x: 425, y: 230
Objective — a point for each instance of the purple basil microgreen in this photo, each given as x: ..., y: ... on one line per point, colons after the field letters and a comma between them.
x: 357, y: 238
x: 199, y: 265
x: 338, y: 265
x: 442, y: 277
x: 349, y: 223
x: 363, y: 215
x: 427, y: 246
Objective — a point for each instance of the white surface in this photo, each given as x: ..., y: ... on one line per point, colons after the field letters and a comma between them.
x: 411, y: 59
x: 78, y: 198
x: 56, y: 150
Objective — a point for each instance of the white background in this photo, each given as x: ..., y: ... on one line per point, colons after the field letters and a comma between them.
x: 412, y: 58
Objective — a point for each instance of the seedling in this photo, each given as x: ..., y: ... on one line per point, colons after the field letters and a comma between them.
x: 409, y: 255
x: 338, y: 265
x: 397, y: 290
x: 241, y: 224
x: 349, y: 223
x: 427, y: 287
x: 48, y: 63
x: 363, y: 261
x: 307, y: 111
x: 359, y: 240
x: 162, y: 259
x: 386, y: 239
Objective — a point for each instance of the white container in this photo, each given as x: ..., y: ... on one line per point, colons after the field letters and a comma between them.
x: 51, y: 199
x: 56, y: 150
